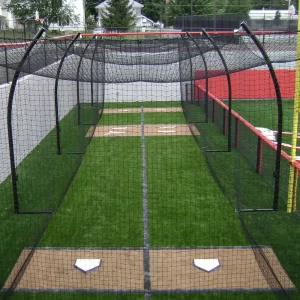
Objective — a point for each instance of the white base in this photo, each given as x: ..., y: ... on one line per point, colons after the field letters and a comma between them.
x: 87, y: 264
x: 207, y: 265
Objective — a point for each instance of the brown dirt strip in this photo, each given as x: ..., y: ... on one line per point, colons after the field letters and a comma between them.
x: 135, y: 130
x: 122, y: 269
x: 138, y: 110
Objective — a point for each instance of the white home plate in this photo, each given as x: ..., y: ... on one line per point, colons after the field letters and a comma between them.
x: 207, y: 265
x: 86, y: 264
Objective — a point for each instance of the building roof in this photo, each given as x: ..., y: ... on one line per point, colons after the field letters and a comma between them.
x: 144, y: 17
x: 134, y: 4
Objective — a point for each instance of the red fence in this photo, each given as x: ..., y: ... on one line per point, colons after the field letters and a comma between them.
x: 244, y: 84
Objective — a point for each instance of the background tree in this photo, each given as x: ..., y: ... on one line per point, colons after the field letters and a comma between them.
x: 154, y: 9
x: 51, y: 11
x: 271, y: 4
x: 238, y: 7
x: 118, y: 15
x: 183, y: 7
x: 90, y: 8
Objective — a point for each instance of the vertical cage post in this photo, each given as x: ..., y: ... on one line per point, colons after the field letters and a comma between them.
x: 77, y: 79
x: 92, y: 74
x: 191, y: 74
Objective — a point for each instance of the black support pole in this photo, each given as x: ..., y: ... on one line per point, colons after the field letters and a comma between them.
x: 279, y: 111
x: 206, y: 76
x: 58, y: 146
x: 229, y: 87
x: 14, y: 176
x: 92, y: 75
x: 191, y: 69
x: 77, y: 79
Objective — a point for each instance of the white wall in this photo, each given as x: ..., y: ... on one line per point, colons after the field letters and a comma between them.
x: 33, y: 115
x: 142, y: 91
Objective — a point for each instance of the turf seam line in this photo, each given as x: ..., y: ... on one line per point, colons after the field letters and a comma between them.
x: 147, y: 279
x: 158, y: 291
x: 150, y: 248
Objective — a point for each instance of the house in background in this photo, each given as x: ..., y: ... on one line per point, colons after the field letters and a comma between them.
x: 140, y: 20
x: 6, y: 18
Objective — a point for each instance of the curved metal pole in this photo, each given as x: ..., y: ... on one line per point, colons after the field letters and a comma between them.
x: 14, y: 175
x: 56, y: 93
x: 279, y: 111
x: 206, y: 77
x: 77, y: 79
x: 229, y: 86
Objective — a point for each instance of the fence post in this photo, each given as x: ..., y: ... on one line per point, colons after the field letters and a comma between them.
x: 14, y: 176
x: 224, y: 121
x: 259, y: 155
x: 237, y: 133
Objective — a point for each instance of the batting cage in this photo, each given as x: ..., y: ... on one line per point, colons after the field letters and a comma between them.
x: 150, y: 166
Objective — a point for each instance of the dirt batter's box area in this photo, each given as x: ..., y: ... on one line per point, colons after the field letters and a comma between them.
x: 149, y: 130
x: 52, y: 269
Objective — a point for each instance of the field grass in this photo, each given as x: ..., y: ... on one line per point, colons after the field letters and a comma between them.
x: 187, y: 207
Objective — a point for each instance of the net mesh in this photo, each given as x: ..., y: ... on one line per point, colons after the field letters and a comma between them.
x: 156, y: 159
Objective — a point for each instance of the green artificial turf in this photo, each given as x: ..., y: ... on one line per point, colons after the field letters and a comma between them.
x: 187, y: 206
x: 104, y: 198
x: 120, y: 119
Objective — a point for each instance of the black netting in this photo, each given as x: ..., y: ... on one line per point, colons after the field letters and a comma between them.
x: 149, y: 154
